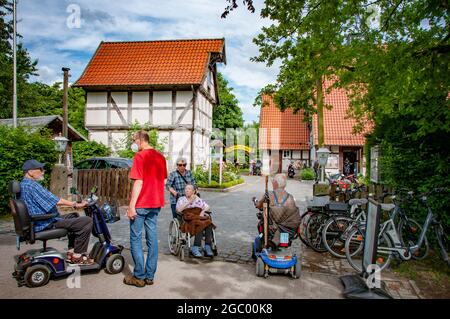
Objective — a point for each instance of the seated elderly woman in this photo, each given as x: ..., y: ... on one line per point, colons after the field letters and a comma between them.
x: 284, y: 213
x: 196, y: 220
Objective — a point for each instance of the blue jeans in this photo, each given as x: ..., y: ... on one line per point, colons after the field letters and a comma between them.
x: 174, y: 210
x: 146, y: 217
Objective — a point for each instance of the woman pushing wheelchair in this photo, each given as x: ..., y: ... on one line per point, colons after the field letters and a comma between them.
x: 196, y: 221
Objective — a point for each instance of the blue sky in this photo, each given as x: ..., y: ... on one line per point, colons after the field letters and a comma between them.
x: 47, y: 35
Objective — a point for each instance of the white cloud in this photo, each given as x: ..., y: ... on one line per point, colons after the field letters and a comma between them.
x: 49, y: 39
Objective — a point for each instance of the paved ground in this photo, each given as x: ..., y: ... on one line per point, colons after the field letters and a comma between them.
x: 231, y: 275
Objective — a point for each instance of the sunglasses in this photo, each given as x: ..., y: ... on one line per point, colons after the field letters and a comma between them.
x: 184, y: 165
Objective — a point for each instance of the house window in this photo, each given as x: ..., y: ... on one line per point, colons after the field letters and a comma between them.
x: 287, y: 153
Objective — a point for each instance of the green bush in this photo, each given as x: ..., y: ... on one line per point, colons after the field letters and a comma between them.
x: 307, y: 174
x: 229, y: 174
x: 215, y: 184
x: 83, y: 150
x: 16, y: 146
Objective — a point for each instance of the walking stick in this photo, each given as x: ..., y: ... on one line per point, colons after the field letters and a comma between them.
x: 266, y: 211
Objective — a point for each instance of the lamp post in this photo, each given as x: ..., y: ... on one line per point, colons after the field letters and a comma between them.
x: 217, y: 147
x: 323, y: 154
x: 60, y: 146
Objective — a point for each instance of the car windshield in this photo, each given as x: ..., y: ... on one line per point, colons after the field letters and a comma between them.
x: 125, y: 163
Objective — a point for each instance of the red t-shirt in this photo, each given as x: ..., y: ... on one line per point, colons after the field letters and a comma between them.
x: 150, y: 167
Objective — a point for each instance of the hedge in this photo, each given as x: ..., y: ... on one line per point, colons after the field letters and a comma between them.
x: 18, y: 145
x: 215, y: 184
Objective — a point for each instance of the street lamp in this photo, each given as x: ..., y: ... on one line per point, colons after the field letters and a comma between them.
x: 323, y: 154
x: 60, y: 145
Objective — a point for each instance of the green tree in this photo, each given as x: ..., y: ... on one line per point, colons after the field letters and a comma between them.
x: 391, y: 56
x: 124, y: 145
x: 18, y: 145
x: 84, y: 150
x: 227, y: 114
x: 34, y: 99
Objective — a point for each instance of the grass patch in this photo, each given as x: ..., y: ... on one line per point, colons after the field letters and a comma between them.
x: 432, y: 275
x: 4, y: 217
x: 215, y: 184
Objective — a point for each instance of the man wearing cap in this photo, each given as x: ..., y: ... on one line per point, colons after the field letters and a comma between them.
x: 41, y: 201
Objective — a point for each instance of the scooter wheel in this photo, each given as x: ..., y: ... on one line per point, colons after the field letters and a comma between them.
x: 115, y: 264
x: 297, y: 270
x: 37, y: 276
x: 260, y: 267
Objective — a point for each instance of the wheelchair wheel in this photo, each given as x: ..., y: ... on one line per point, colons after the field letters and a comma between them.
x: 174, y: 237
x: 181, y: 253
x: 214, y: 244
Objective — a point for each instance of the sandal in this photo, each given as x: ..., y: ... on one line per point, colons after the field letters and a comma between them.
x: 69, y: 256
x: 82, y: 260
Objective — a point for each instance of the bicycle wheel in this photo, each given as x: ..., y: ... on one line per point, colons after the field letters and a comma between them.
x: 334, y: 234
x: 354, y: 249
x: 409, y: 232
x: 303, y: 225
x: 314, y: 231
x: 443, y: 242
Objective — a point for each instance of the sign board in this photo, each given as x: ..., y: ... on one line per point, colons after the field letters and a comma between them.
x: 371, y: 236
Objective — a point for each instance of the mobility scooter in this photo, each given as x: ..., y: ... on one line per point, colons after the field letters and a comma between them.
x: 35, y: 267
x: 279, y: 259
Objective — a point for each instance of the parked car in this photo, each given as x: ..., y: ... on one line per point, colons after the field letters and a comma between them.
x: 104, y: 163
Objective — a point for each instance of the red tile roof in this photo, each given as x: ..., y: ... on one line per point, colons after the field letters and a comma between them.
x: 173, y: 62
x: 286, y: 128
x: 337, y: 127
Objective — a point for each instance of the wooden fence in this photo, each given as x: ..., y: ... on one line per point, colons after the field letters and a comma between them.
x: 113, y: 185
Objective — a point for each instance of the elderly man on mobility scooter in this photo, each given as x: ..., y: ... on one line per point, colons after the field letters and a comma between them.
x: 284, y: 211
x: 278, y: 226
x: 40, y: 201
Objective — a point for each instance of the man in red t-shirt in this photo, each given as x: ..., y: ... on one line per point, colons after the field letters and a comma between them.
x: 149, y: 172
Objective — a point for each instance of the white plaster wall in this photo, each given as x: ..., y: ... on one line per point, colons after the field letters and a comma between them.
x: 162, y: 98
x: 140, y: 99
x: 181, y: 145
x: 96, y: 117
x: 100, y: 137
x: 96, y: 99
x: 162, y: 117
x: 121, y: 99
x: 183, y: 99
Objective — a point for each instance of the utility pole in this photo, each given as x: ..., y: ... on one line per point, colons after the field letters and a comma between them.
x: 65, y: 99
x: 14, y: 65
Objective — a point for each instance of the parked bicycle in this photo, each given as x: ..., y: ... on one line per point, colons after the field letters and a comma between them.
x: 404, y: 241
x: 337, y: 228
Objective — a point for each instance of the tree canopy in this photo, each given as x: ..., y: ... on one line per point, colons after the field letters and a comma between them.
x: 227, y: 114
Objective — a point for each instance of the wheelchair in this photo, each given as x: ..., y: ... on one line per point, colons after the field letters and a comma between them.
x: 178, y: 240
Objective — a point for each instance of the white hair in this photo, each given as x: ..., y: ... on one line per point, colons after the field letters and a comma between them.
x: 180, y: 160
x: 280, y: 179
